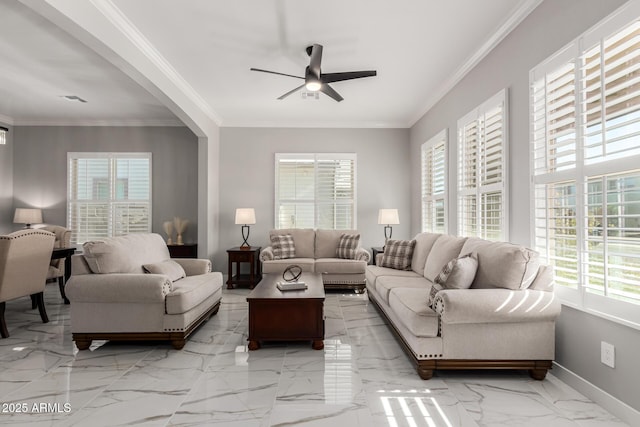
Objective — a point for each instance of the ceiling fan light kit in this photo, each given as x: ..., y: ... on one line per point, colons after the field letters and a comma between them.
x: 314, y: 80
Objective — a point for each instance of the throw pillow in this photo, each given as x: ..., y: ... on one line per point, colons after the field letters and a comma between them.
x: 435, y: 288
x: 347, y: 246
x: 398, y: 254
x: 283, y: 246
x: 169, y: 268
x: 459, y: 272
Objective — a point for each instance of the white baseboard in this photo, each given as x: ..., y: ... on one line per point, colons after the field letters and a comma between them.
x: 612, y: 404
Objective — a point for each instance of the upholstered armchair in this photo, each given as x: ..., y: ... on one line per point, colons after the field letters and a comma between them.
x: 24, y: 261
x: 56, y: 266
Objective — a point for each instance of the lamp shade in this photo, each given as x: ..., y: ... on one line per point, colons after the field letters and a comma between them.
x: 388, y: 216
x: 245, y: 216
x: 28, y: 216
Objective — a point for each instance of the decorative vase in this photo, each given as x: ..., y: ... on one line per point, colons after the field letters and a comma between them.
x: 168, y: 228
x: 180, y: 225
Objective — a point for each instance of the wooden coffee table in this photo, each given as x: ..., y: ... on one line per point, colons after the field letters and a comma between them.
x: 276, y: 315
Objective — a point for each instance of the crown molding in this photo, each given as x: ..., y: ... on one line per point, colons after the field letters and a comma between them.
x: 146, y: 48
x: 6, y: 120
x: 520, y: 12
x: 315, y: 124
x: 109, y: 122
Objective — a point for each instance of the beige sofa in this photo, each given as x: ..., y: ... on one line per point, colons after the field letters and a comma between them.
x: 506, y: 320
x: 113, y: 299
x: 316, y: 252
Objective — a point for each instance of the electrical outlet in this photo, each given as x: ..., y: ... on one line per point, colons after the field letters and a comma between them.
x: 608, y: 354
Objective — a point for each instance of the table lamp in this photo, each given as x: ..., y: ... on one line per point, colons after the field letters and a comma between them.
x: 245, y: 216
x: 28, y: 216
x: 388, y: 217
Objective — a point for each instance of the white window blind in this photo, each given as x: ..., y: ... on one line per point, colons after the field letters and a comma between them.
x: 315, y: 191
x: 482, y: 166
x: 109, y: 194
x: 434, y: 184
x: 585, y: 116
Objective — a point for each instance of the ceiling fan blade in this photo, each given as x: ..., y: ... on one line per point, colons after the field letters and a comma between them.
x: 328, y: 90
x: 274, y: 72
x: 290, y: 92
x: 338, y: 77
x: 316, y: 59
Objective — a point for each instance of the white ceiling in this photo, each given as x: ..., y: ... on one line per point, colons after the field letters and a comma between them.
x: 419, y: 49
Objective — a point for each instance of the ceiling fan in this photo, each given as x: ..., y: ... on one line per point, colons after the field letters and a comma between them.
x: 313, y: 78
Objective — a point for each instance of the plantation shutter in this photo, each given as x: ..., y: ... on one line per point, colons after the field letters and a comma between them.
x: 434, y: 184
x: 482, y: 165
x: 585, y: 115
x: 109, y: 194
x: 315, y: 191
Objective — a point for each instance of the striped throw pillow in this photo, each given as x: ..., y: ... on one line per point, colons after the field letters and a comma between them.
x: 397, y: 254
x: 347, y: 246
x: 283, y: 246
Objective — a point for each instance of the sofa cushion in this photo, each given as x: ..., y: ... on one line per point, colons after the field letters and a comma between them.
x: 283, y: 246
x: 337, y: 265
x: 347, y: 246
x: 373, y: 272
x: 459, y: 272
x: 424, y: 243
x: 169, y: 268
x: 409, y: 306
x: 125, y: 254
x: 385, y: 284
x: 278, y: 265
x: 303, y: 239
x: 502, y: 265
x: 191, y: 291
x: 398, y: 254
x: 444, y: 250
x: 327, y: 242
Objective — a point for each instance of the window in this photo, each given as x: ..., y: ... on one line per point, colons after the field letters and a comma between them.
x: 316, y: 191
x: 482, y: 166
x: 434, y: 184
x: 585, y: 124
x: 109, y: 194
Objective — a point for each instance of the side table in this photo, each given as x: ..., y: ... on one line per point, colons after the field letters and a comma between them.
x: 249, y: 255
x: 188, y: 250
x: 375, y: 251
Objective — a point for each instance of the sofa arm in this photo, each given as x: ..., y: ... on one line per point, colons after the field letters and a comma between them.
x: 363, y: 255
x: 266, y: 254
x: 194, y: 266
x: 115, y: 288
x: 495, y: 306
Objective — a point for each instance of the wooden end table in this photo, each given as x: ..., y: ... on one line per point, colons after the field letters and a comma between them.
x: 250, y: 255
x: 188, y: 250
x: 374, y: 252
x: 276, y: 315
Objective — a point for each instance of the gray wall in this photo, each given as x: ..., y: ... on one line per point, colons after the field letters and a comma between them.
x: 40, y: 168
x: 247, y: 177
x: 6, y: 183
x: 550, y: 27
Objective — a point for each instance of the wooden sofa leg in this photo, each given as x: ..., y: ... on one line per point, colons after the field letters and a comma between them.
x: 178, y: 344
x: 4, y: 332
x: 83, y: 344
x: 538, y: 374
x: 424, y: 373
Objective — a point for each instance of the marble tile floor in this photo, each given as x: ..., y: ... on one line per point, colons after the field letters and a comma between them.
x: 361, y: 378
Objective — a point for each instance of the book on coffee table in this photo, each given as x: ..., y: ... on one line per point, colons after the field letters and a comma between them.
x: 291, y: 286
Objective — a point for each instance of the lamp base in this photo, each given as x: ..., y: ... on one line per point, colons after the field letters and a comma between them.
x: 245, y: 245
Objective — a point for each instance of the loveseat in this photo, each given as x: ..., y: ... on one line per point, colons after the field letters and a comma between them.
x: 128, y: 288
x: 504, y: 320
x: 315, y: 251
